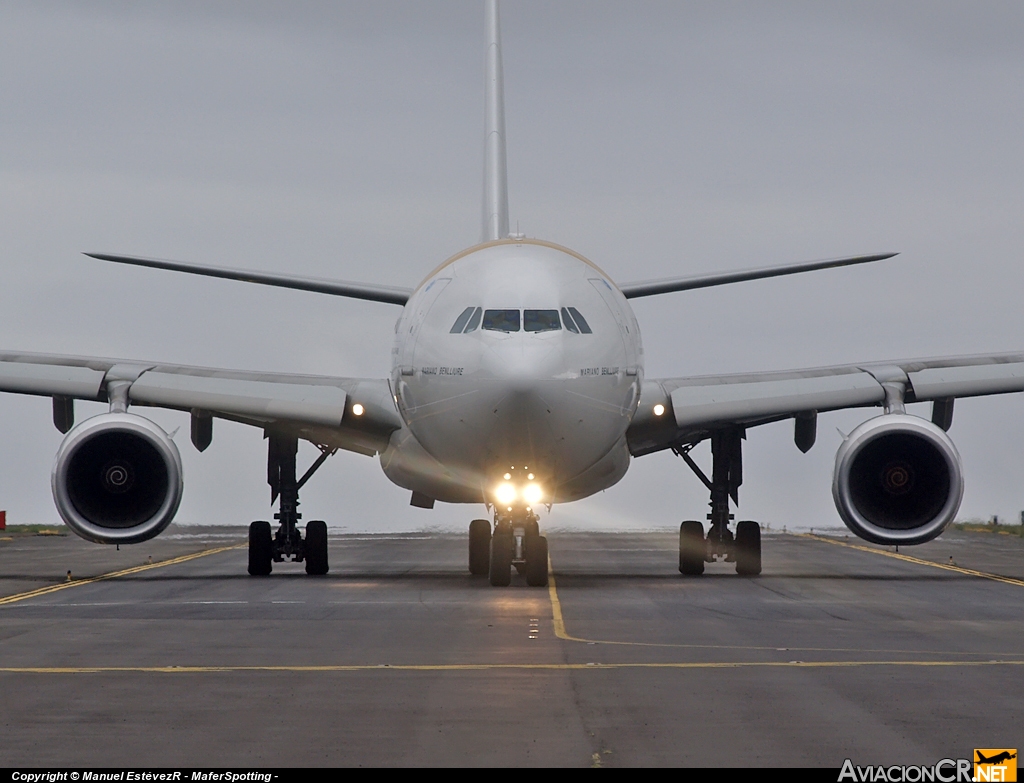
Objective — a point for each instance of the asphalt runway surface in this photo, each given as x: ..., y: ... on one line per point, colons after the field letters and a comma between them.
x: 399, y: 657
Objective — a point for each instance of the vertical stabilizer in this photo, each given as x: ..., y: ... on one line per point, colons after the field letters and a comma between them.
x: 495, y: 174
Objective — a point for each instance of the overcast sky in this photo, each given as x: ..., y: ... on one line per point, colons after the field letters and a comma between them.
x: 345, y: 140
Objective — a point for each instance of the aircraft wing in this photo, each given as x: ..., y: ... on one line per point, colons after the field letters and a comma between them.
x: 371, y: 293
x: 670, y: 284
x: 317, y: 408
x: 695, y: 406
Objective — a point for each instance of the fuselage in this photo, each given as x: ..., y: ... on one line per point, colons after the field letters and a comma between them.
x: 514, y: 357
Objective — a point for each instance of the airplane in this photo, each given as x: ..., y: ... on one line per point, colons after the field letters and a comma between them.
x: 517, y: 383
x: 996, y: 759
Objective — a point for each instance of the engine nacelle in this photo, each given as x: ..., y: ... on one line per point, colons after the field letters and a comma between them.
x: 117, y: 479
x: 898, y: 479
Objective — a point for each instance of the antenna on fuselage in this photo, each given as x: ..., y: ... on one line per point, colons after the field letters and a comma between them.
x: 495, y: 170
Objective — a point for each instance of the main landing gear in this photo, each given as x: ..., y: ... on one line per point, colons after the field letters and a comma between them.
x: 267, y: 548
x: 515, y: 542
x: 743, y: 548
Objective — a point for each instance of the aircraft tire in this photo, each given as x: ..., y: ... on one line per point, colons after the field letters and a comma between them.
x: 261, y: 549
x: 748, y: 548
x: 536, y: 561
x: 479, y: 547
x: 502, y: 549
x: 691, y: 548
x: 316, y: 548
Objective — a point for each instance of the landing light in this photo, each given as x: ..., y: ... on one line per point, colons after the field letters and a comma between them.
x: 533, y: 493
x: 357, y: 410
x: 530, y: 477
x: 508, y: 476
x: 659, y: 409
x: 505, y: 493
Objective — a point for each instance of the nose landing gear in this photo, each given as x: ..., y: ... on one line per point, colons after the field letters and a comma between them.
x: 516, y: 542
x: 743, y: 549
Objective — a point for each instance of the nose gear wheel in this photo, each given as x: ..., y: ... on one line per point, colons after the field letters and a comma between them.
x: 479, y: 547
x: 502, y: 551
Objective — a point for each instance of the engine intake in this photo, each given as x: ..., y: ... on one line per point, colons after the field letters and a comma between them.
x: 117, y: 479
x: 898, y: 479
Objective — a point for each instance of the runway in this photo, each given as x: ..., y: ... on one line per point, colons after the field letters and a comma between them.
x: 399, y: 657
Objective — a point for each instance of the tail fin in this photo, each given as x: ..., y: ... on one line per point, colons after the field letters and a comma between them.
x: 495, y: 172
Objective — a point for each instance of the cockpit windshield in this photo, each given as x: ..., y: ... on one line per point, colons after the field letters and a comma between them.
x: 541, y: 320
x: 501, y: 320
x: 469, y: 320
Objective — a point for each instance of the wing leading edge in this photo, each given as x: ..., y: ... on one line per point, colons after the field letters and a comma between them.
x: 372, y: 293
x: 693, y: 407
x: 317, y: 408
x: 670, y: 284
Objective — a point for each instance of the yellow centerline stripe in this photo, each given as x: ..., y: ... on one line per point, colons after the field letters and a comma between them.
x: 556, y: 608
x: 459, y: 667
x: 10, y: 599
x: 907, y: 558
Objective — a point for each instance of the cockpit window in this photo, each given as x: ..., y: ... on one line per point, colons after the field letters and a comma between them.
x: 569, y: 324
x: 541, y: 321
x: 468, y: 321
x: 501, y: 320
x: 460, y: 322
x: 581, y: 322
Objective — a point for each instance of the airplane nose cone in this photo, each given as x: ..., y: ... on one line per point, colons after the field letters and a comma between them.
x: 518, y: 423
x: 519, y: 362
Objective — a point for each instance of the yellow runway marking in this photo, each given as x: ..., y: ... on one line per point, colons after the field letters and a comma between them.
x: 10, y: 599
x: 465, y: 667
x: 556, y: 608
x: 908, y: 559
x: 558, y: 621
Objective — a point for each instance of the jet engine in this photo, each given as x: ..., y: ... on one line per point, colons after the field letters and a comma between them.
x: 117, y: 479
x: 898, y: 479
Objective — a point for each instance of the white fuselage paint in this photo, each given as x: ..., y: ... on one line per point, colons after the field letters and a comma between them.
x: 480, y: 404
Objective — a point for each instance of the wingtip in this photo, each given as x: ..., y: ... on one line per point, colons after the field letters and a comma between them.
x: 878, y: 257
